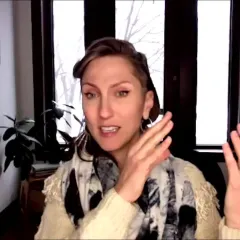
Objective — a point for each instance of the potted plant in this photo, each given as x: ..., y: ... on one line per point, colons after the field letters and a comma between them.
x: 24, y: 143
x: 19, y: 148
x: 53, y: 150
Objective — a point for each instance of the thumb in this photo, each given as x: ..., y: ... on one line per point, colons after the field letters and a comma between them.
x: 232, y: 166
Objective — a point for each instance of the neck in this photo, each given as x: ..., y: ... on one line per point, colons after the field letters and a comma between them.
x: 120, y: 155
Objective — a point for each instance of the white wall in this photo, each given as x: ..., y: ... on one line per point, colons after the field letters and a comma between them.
x: 8, y: 180
x: 16, y: 81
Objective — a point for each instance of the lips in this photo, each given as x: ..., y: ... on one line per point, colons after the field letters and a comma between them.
x: 109, y: 129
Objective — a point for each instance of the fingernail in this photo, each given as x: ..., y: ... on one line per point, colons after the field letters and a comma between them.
x: 238, y: 128
x: 168, y: 113
x: 169, y: 138
x: 234, y: 133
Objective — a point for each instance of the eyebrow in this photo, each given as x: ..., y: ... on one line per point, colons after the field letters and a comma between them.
x: 112, y: 86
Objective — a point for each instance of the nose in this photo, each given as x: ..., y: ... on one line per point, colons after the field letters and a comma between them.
x: 105, y: 109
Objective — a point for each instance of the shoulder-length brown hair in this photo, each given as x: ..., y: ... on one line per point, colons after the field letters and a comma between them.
x: 115, y: 47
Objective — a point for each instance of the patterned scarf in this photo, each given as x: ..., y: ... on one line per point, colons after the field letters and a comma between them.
x: 167, y: 204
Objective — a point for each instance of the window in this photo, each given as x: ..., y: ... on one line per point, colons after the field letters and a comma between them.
x: 146, y: 32
x: 192, y: 49
x: 68, y: 22
x: 212, y: 72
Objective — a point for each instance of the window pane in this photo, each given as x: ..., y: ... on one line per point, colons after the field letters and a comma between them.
x: 142, y: 23
x: 68, y: 47
x: 213, y: 55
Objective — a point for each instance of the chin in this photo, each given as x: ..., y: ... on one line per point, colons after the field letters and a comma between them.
x: 110, y: 147
x: 114, y: 144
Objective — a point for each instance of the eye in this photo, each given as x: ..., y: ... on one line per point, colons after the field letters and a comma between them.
x: 90, y: 95
x: 122, y: 93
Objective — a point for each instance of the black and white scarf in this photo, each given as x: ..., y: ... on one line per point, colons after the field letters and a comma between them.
x: 167, y: 204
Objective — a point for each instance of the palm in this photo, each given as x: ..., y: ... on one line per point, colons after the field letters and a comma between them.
x: 232, y: 200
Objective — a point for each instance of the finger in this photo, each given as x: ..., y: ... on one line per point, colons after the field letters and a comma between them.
x: 151, y: 131
x: 238, y: 129
x: 161, y: 152
x: 152, y: 142
x: 236, y: 143
x: 158, y: 126
x: 232, y: 166
x: 165, y: 155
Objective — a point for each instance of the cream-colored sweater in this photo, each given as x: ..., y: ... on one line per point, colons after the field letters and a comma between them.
x: 112, y: 217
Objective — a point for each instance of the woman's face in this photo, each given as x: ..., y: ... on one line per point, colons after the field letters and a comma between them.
x: 114, y: 102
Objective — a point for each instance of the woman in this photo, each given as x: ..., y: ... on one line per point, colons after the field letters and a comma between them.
x: 122, y: 182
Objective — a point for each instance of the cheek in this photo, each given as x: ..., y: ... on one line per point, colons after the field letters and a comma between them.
x: 91, y: 120
x: 89, y: 113
x: 133, y: 111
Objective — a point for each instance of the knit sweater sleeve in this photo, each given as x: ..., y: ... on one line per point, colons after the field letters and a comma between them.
x: 109, y: 220
x: 209, y: 223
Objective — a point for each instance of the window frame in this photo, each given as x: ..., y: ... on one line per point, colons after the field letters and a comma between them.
x: 234, y: 68
x: 180, y: 80
x: 180, y: 64
x: 43, y: 60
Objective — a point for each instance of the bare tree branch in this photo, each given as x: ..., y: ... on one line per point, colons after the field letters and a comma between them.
x: 143, y: 27
x: 157, y: 54
x: 145, y: 33
x: 129, y: 20
x: 134, y: 22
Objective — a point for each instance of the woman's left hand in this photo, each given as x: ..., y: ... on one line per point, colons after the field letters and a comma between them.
x: 232, y: 199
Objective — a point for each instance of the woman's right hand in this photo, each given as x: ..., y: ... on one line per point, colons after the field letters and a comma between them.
x: 232, y: 198
x: 144, y: 155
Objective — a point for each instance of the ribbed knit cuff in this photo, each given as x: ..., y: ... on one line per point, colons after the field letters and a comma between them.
x: 226, y: 232
x: 111, y: 219
x: 117, y: 209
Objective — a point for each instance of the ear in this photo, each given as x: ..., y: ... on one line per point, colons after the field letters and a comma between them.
x: 148, y: 104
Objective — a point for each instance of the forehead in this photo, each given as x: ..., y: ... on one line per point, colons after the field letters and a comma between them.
x: 109, y: 69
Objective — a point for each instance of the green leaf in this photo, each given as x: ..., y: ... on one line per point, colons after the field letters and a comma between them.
x: 9, y: 118
x: 7, y: 163
x: 17, y: 161
x: 67, y: 122
x: 26, y: 155
x: 32, y: 131
x: 67, y: 111
x: 11, y: 148
x: 58, y: 113
x: 9, y: 133
x: 25, y: 121
x: 46, y: 111
x: 30, y: 138
x: 29, y: 157
x: 65, y: 136
x: 22, y: 139
x: 26, y: 152
x: 25, y: 147
x: 68, y: 106
x: 21, y: 130
x: 77, y: 119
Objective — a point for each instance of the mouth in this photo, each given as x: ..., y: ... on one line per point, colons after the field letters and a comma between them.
x: 108, y: 131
